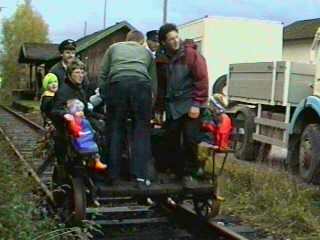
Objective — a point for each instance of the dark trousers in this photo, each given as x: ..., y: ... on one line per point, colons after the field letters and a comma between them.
x: 60, y: 145
x: 129, y: 97
x: 182, y: 136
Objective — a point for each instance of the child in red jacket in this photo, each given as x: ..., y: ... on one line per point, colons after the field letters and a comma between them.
x: 83, y: 137
x: 220, y: 126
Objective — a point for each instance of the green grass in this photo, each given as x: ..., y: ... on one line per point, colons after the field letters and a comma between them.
x: 34, y: 104
x: 21, y: 216
x: 269, y: 200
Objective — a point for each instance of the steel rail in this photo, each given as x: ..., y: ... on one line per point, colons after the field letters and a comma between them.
x: 42, y: 187
x: 190, y: 218
x: 24, y: 119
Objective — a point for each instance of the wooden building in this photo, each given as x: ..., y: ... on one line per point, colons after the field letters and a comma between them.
x: 92, y: 48
x: 35, y: 56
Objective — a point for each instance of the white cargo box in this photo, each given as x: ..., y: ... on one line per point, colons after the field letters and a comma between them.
x: 272, y: 83
x: 227, y: 40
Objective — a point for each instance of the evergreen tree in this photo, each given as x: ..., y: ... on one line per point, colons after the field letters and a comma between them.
x: 26, y: 25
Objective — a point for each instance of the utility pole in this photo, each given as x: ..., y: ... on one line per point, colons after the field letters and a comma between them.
x: 165, y: 6
x: 85, y: 29
x: 104, y: 15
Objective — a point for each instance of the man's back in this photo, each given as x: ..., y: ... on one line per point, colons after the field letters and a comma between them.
x: 129, y: 58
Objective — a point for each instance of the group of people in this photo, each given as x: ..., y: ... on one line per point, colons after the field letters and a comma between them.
x: 167, y: 75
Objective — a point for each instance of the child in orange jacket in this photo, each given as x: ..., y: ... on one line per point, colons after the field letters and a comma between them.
x: 220, y: 126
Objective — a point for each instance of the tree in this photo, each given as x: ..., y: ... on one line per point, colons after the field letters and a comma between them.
x: 26, y: 25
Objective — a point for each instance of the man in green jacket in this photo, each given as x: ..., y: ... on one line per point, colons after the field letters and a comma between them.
x: 127, y: 72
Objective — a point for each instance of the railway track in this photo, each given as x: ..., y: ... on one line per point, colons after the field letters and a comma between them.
x: 119, y: 220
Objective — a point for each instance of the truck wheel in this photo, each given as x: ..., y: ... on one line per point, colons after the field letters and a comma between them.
x: 292, y: 160
x: 246, y: 148
x: 220, y: 86
x: 309, y: 157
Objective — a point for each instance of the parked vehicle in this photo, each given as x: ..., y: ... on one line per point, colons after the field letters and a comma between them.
x: 280, y: 104
x: 226, y: 40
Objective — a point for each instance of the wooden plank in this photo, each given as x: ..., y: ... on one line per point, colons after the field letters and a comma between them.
x: 269, y: 140
x: 157, y: 189
x: 271, y: 123
x: 131, y: 221
x: 118, y: 209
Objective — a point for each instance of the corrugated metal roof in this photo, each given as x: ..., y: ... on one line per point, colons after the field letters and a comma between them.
x: 301, y: 29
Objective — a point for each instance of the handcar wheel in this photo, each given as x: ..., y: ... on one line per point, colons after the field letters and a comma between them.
x: 206, y: 208
x: 60, y: 187
x: 309, y: 156
x: 76, y: 202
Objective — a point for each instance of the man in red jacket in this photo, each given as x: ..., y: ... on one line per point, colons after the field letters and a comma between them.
x: 182, y: 92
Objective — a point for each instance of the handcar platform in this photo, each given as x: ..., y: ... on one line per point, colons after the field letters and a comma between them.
x: 161, y: 187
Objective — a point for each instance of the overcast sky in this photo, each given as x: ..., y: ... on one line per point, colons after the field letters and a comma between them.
x: 66, y: 17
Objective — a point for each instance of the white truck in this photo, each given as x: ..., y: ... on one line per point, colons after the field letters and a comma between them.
x: 226, y: 40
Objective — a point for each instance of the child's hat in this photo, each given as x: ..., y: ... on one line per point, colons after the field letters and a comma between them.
x: 218, y: 101
x: 221, y: 99
x: 49, y: 78
x: 74, y: 105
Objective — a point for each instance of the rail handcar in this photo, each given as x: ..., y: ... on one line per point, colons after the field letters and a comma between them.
x: 76, y: 187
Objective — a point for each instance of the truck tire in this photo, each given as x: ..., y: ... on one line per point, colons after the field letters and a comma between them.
x: 247, y: 148
x: 219, y: 85
x: 309, y: 156
x: 292, y: 161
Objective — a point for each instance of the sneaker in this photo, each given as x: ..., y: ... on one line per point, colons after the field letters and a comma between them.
x: 189, y: 182
x: 142, y: 183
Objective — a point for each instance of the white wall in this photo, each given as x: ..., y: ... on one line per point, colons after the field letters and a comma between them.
x: 237, y: 40
x: 297, y: 50
x: 232, y: 40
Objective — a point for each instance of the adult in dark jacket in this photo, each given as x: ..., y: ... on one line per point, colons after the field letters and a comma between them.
x: 67, y: 48
x: 72, y: 89
x: 182, y: 92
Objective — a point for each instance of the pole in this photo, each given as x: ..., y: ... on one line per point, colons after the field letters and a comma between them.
x: 85, y: 29
x: 165, y: 6
x: 104, y: 15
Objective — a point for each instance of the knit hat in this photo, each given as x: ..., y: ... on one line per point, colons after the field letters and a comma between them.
x: 74, y: 105
x: 49, y: 78
x: 218, y: 101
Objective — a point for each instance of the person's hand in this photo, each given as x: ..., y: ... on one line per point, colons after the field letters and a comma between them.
x: 68, y: 117
x: 82, y: 133
x: 194, y: 112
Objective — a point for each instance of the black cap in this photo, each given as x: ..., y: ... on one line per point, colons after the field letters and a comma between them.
x: 68, y: 44
x: 153, y: 36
